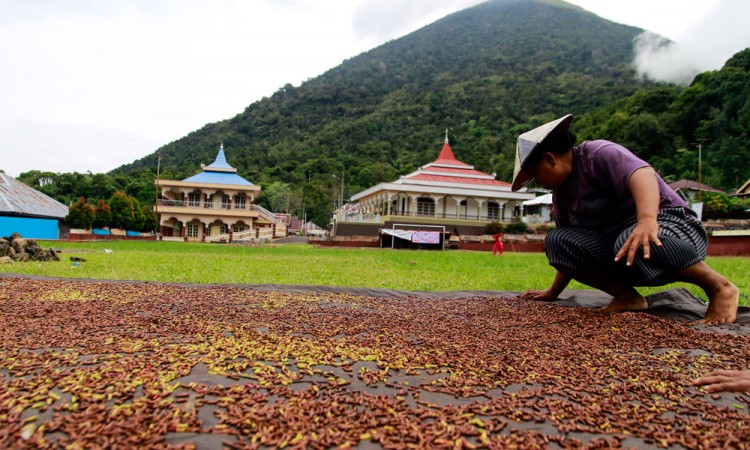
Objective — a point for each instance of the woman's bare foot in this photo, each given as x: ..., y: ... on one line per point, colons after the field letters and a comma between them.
x: 723, y: 296
x: 722, y: 304
x: 622, y: 303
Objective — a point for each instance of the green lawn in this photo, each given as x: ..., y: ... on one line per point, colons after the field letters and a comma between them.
x: 303, y: 264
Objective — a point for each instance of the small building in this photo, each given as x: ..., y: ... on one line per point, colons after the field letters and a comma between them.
x: 446, y: 194
x: 28, y: 212
x: 293, y: 224
x: 744, y: 191
x: 538, y: 210
x: 311, y: 229
x: 215, y: 205
x: 690, y: 190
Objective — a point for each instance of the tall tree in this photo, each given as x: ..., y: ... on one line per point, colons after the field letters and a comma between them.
x: 121, y: 209
x: 102, y: 214
x: 80, y: 214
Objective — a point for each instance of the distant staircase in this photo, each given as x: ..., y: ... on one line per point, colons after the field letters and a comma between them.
x: 280, y: 226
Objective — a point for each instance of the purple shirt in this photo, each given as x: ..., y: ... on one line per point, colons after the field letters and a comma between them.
x: 597, y: 193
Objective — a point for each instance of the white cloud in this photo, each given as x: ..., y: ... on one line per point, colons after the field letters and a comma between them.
x: 707, y: 45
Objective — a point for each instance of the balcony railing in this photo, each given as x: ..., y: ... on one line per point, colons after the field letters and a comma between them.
x: 459, y: 216
x: 205, y: 205
x: 377, y: 218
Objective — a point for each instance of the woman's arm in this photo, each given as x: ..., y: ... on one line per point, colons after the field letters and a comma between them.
x: 645, y: 190
x: 560, y: 282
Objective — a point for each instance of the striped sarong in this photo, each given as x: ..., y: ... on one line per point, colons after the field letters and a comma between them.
x: 683, y: 238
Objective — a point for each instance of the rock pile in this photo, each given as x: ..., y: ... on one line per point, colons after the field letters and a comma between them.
x: 16, y: 248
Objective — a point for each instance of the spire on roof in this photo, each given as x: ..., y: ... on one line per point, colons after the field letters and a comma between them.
x: 220, y: 163
x: 446, y: 154
x: 221, y: 159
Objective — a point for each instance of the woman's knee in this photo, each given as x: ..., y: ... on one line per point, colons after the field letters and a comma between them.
x: 560, y: 236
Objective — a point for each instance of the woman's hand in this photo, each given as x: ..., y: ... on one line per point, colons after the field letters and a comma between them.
x: 725, y: 380
x: 558, y: 284
x: 645, y: 232
x: 545, y: 295
x: 645, y: 190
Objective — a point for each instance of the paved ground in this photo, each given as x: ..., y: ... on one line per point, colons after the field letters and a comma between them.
x: 291, y: 240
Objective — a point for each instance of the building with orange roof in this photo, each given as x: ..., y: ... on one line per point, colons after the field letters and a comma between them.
x: 444, y: 193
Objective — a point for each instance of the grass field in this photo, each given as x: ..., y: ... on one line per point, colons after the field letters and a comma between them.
x: 306, y: 265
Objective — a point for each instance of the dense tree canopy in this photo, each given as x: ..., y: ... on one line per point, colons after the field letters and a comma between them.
x: 669, y: 126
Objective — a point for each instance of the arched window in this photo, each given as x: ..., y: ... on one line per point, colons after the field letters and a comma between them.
x: 493, y: 211
x: 194, y: 199
x: 425, y: 206
x: 193, y: 229
x: 240, y: 201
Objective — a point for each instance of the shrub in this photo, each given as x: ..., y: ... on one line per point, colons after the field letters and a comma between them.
x: 738, y: 208
x: 151, y: 220
x: 493, y: 228
x: 516, y: 227
x: 121, y: 209
x: 544, y: 228
x: 715, y: 206
x: 718, y: 205
x: 80, y: 215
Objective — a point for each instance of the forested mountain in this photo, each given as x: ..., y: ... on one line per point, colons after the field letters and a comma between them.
x: 487, y: 74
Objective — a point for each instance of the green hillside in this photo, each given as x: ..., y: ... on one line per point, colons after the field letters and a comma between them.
x: 666, y: 124
x: 487, y: 74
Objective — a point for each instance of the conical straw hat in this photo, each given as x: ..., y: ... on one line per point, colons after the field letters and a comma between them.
x: 529, y: 142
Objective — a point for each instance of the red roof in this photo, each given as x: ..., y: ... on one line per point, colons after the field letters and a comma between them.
x: 463, y: 180
x: 690, y: 184
x: 457, y: 170
x: 447, y: 169
x: 446, y: 156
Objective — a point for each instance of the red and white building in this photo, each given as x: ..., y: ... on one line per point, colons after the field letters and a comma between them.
x: 445, y: 192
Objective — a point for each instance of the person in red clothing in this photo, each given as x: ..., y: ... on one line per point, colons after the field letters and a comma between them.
x: 498, y: 247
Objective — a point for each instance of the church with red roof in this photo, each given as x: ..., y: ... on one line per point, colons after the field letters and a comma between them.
x: 446, y: 192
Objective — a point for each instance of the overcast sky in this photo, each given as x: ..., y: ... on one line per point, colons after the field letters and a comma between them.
x: 89, y: 85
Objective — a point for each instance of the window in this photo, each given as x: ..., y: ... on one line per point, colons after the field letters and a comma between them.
x: 192, y: 230
x: 225, y: 202
x: 223, y: 229
x: 425, y: 207
x: 239, y: 201
x: 493, y: 211
x: 238, y: 229
x: 194, y: 199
